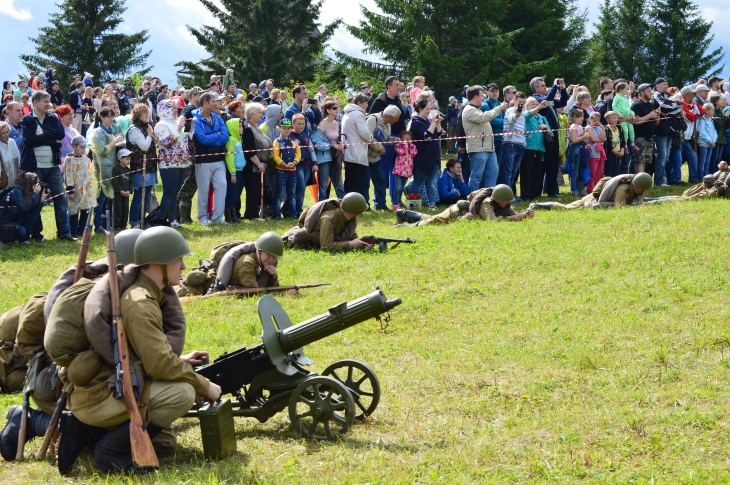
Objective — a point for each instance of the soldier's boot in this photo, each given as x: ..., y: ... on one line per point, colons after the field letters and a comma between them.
x: 406, y: 216
x: 184, y: 207
x: 544, y: 206
x: 114, y: 452
x: 38, y: 421
x: 75, y: 436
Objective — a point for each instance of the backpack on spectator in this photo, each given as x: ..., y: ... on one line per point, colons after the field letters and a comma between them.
x: 263, y: 143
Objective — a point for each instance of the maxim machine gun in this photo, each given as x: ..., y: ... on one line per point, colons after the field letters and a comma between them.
x: 269, y: 377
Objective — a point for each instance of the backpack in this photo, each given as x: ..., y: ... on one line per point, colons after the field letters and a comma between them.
x: 599, y: 186
x: 65, y: 337
x: 217, y: 253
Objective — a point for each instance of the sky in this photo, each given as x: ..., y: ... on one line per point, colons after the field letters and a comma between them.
x: 170, y: 42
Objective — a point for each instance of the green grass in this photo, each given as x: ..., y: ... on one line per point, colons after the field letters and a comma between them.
x: 576, y: 347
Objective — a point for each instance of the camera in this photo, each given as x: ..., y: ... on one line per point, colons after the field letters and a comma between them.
x: 44, y: 185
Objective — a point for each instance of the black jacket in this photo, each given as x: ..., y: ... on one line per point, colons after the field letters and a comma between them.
x: 379, y: 105
x: 53, y: 133
x: 56, y: 98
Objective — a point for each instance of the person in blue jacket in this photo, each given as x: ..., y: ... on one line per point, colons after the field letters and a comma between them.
x: 452, y: 187
x: 21, y: 207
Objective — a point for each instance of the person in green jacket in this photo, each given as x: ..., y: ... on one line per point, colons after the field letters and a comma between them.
x: 228, y: 79
x: 235, y: 161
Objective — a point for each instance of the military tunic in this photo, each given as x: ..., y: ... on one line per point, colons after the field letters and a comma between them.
x: 174, y: 384
x: 249, y: 274
x: 329, y: 226
x: 623, y: 196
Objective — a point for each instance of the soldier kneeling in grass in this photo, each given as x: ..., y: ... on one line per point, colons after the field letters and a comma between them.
x: 491, y: 204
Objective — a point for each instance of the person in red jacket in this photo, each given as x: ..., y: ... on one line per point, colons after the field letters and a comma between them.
x: 692, y: 112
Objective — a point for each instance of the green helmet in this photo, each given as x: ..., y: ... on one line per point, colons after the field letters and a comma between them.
x: 270, y: 242
x: 160, y: 245
x: 642, y: 180
x: 354, y: 203
x: 503, y: 193
x: 196, y: 278
x: 124, y: 244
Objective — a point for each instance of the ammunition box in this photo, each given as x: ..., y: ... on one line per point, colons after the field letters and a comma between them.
x: 217, y: 429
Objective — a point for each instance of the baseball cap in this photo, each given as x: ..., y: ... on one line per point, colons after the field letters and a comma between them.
x: 643, y: 86
x: 285, y: 123
x: 466, y: 86
x: 79, y: 140
x: 702, y: 87
x: 452, y: 98
x: 660, y: 80
x: 492, y: 86
x: 688, y: 89
x: 32, y: 73
x: 195, y: 90
x: 364, y: 85
x: 123, y: 153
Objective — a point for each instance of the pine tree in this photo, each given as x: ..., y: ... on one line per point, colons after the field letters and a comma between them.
x: 81, y: 37
x: 448, y: 43
x: 549, y: 41
x: 679, y: 39
x: 262, y: 39
x: 619, y: 45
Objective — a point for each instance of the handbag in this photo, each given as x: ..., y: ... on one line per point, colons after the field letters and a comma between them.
x: 312, y: 180
x: 547, y: 139
x: 263, y: 143
x: 8, y: 233
x: 3, y: 176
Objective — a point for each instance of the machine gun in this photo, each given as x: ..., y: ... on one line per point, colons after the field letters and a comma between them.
x: 382, y: 242
x: 269, y: 377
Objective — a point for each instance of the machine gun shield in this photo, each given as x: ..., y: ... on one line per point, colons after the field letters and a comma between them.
x: 274, y: 319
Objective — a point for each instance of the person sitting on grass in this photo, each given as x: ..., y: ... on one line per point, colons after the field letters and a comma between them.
x: 20, y: 208
x: 490, y: 204
x: 452, y: 187
x: 330, y: 224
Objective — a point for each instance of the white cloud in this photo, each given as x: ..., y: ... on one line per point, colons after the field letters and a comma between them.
x: 7, y: 7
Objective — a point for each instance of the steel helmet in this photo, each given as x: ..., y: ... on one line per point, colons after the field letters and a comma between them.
x: 160, y: 245
x: 124, y: 244
x: 503, y: 193
x: 270, y: 242
x: 354, y: 203
x: 642, y: 180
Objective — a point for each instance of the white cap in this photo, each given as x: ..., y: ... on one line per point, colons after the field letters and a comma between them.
x: 702, y: 87
x: 86, y: 74
x: 123, y: 153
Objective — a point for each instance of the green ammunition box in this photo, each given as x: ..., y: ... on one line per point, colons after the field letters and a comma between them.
x: 217, y: 429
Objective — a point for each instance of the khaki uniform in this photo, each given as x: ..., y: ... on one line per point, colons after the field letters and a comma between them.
x: 12, y: 363
x: 451, y: 214
x: 329, y: 226
x: 710, y: 188
x: 247, y: 273
x: 173, y: 385
x: 488, y: 211
x: 623, y: 196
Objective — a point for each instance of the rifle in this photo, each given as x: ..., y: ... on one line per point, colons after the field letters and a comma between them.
x: 143, y: 454
x: 144, y: 176
x: 255, y: 291
x: 23, y: 426
x: 382, y: 242
x: 51, y: 436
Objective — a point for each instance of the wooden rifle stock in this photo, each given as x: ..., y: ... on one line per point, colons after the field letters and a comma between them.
x: 143, y: 454
x: 51, y: 435
x: 19, y: 455
x: 254, y: 291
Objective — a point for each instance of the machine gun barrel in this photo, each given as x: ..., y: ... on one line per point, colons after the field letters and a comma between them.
x: 337, y: 318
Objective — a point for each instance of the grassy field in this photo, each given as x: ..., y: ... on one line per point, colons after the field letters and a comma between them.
x: 576, y: 347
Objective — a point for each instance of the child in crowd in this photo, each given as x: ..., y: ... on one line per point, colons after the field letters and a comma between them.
x: 563, y: 122
x: 78, y: 175
x: 452, y: 187
x: 122, y: 184
x: 405, y: 151
x: 706, y: 140
x: 578, y: 136
x: 615, y: 144
x: 621, y: 105
x: 286, y: 155
x: 308, y: 162
x: 597, y: 153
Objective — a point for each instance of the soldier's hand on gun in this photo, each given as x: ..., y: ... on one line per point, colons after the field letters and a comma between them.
x: 271, y: 269
x: 214, y: 392
x: 360, y: 244
x: 197, y: 357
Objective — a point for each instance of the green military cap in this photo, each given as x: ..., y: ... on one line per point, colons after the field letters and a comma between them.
x: 503, y: 193
x: 271, y: 243
x: 642, y: 180
x: 124, y: 244
x: 160, y: 245
x: 354, y: 203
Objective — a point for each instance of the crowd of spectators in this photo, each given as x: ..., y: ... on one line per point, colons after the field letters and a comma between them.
x: 221, y: 141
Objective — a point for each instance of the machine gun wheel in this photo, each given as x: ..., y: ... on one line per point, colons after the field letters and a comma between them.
x: 321, y: 408
x: 362, y: 383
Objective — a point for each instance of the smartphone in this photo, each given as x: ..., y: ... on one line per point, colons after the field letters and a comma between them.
x: 188, y: 125
x: 519, y: 108
x: 550, y: 103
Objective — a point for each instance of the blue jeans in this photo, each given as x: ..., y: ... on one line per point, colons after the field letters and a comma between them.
x: 688, y: 153
x: 324, y: 173
x: 99, y: 210
x: 625, y: 163
x: 172, y: 181
x: 302, y: 178
x: 135, y: 207
x: 575, y: 186
x: 484, y: 170
x: 430, y: 180
x: 674, y: 166
x: 286, y: 187
x: 380, y: 183
x: 234, y: 191
x: 54, y: 178
x: 26, y: 222
x: 716, y: 157
x: 396, y: 190
x: 499, y: 151
x: 511, y: 157
x: 663, y: 150
x: 388, y: 162
x: 703, y: 164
